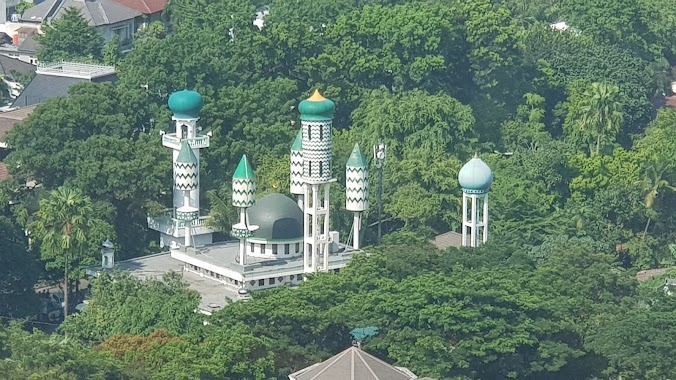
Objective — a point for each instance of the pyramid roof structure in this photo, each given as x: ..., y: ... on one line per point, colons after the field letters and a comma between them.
x: 353, y: 364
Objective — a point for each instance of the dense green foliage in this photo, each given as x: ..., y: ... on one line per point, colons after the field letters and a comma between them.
x: 583, y: 196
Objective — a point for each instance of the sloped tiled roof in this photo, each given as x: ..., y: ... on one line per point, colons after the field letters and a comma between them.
x: 352, y: 364
x: 9, y: 119
x: 96, y: 12
x: 144, y: 6
x: 448, y: 239
x: 8, y: 64
x: 4, y: 172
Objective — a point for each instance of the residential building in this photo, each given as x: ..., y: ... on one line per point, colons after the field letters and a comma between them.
x: 55, y: 79
x: 151, y: 11
x: 110, y: 17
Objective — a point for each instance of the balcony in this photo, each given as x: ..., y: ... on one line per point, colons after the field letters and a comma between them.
x: 170, y: 140
x: 166, y: 223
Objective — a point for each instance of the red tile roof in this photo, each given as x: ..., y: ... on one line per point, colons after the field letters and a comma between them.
x: 4, y: 171
x: 144, y: 6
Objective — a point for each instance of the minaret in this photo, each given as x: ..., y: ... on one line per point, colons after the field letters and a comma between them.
x: 316, y: 115
x: 243, y: 197
x: 297, y: 188
x: 186, y: 106
x: 475, y: 179
x: 186, y: 180
x: 356, y: 190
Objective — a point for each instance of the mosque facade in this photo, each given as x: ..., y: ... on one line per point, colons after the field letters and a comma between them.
x: 279, y: 240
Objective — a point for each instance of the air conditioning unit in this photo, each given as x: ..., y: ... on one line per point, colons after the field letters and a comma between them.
x: 15, y: 17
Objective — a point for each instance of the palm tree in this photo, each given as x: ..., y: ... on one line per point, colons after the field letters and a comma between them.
x: 601, y: 113
x: 653, y: 181
x: 61, y: 226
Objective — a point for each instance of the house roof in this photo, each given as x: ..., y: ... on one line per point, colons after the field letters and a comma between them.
x: 446, y: 240
x: 29, y: 44
x: 8, y: 65
x: 96, y: 12
x: 55, y: 79
x: 144, y: 6
x: 4, y: 171
x: 10, y: 118
x: 353, y: 364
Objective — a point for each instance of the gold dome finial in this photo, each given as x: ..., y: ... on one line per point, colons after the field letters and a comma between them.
x: 316, y: 97
x: 476, y: 155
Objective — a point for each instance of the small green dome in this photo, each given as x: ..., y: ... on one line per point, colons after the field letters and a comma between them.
x: 475, y: 176
x: 316, y: 108
x: 186, y: 104
x: 278, y: 217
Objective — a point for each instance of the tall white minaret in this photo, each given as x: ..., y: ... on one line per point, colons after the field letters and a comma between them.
x: 356, y: 190
x: 316, y: 115
x: 186, y: 106
x: 243, y: 197
x: 475, y: 179
x: 186, y: 180
x: 297, y: 188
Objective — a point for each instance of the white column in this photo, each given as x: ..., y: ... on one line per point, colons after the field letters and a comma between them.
x: 299, y: 199
x: 473, y: 222
x: 186, y: 200
x: 242, y: 241
x: 357, y: 229
x: 325, y: 227
x: 485, y: 219
x: 465, y: 199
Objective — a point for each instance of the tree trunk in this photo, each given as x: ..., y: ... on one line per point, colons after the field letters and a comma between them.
x: 598, y: 144
x: 645, y: 230
x: 65, y: 290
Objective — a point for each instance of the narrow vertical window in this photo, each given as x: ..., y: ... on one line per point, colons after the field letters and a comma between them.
x: 321, y: 169
x: 321, y: 132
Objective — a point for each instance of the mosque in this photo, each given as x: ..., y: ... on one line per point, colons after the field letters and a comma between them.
x: 279, y: 240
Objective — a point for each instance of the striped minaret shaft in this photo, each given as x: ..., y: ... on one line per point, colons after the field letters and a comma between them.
x: 243, y: 197
x: 186, y: 179
x: 296, y: 171
x: 356, y: 190
x: 316, y: 115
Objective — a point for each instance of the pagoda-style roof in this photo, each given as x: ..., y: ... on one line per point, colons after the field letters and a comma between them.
x: 353, y: 364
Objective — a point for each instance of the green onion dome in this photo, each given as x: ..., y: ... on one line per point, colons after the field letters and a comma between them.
x: 186, y: 104
x: 316, y: 108
x: 475, y: 176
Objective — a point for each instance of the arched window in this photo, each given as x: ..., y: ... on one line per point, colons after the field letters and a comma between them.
x: 184, y: 131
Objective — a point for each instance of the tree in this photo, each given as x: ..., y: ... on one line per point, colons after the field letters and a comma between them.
x: 122, y: 304
x: 112, y: 52
x: 37, y: 356
x: 18, y: 273
x: 598, y: 115
x: 652, y: 183
x: 61, y: 228
x: 70, y: 37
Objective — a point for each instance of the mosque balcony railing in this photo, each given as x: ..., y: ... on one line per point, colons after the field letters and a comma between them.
x: 166, y: 223
x: 171, y: 140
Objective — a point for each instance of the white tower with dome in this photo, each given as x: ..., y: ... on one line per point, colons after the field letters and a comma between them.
x: 475, y: 179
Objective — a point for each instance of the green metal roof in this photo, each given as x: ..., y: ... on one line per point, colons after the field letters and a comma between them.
x: 186, y: 156
x: 244, y: 170
x: 186, y: 104
x: 298, y: 142
x: 316, y: 108
x: 356, y: 158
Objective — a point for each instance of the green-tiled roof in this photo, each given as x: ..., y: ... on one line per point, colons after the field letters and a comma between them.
x: 298, y: 142
x: 356, y: 158
x: 244, y: 170
x: 186, y: 156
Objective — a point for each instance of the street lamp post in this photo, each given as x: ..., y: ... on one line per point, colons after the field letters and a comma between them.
x: 379, y: 156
